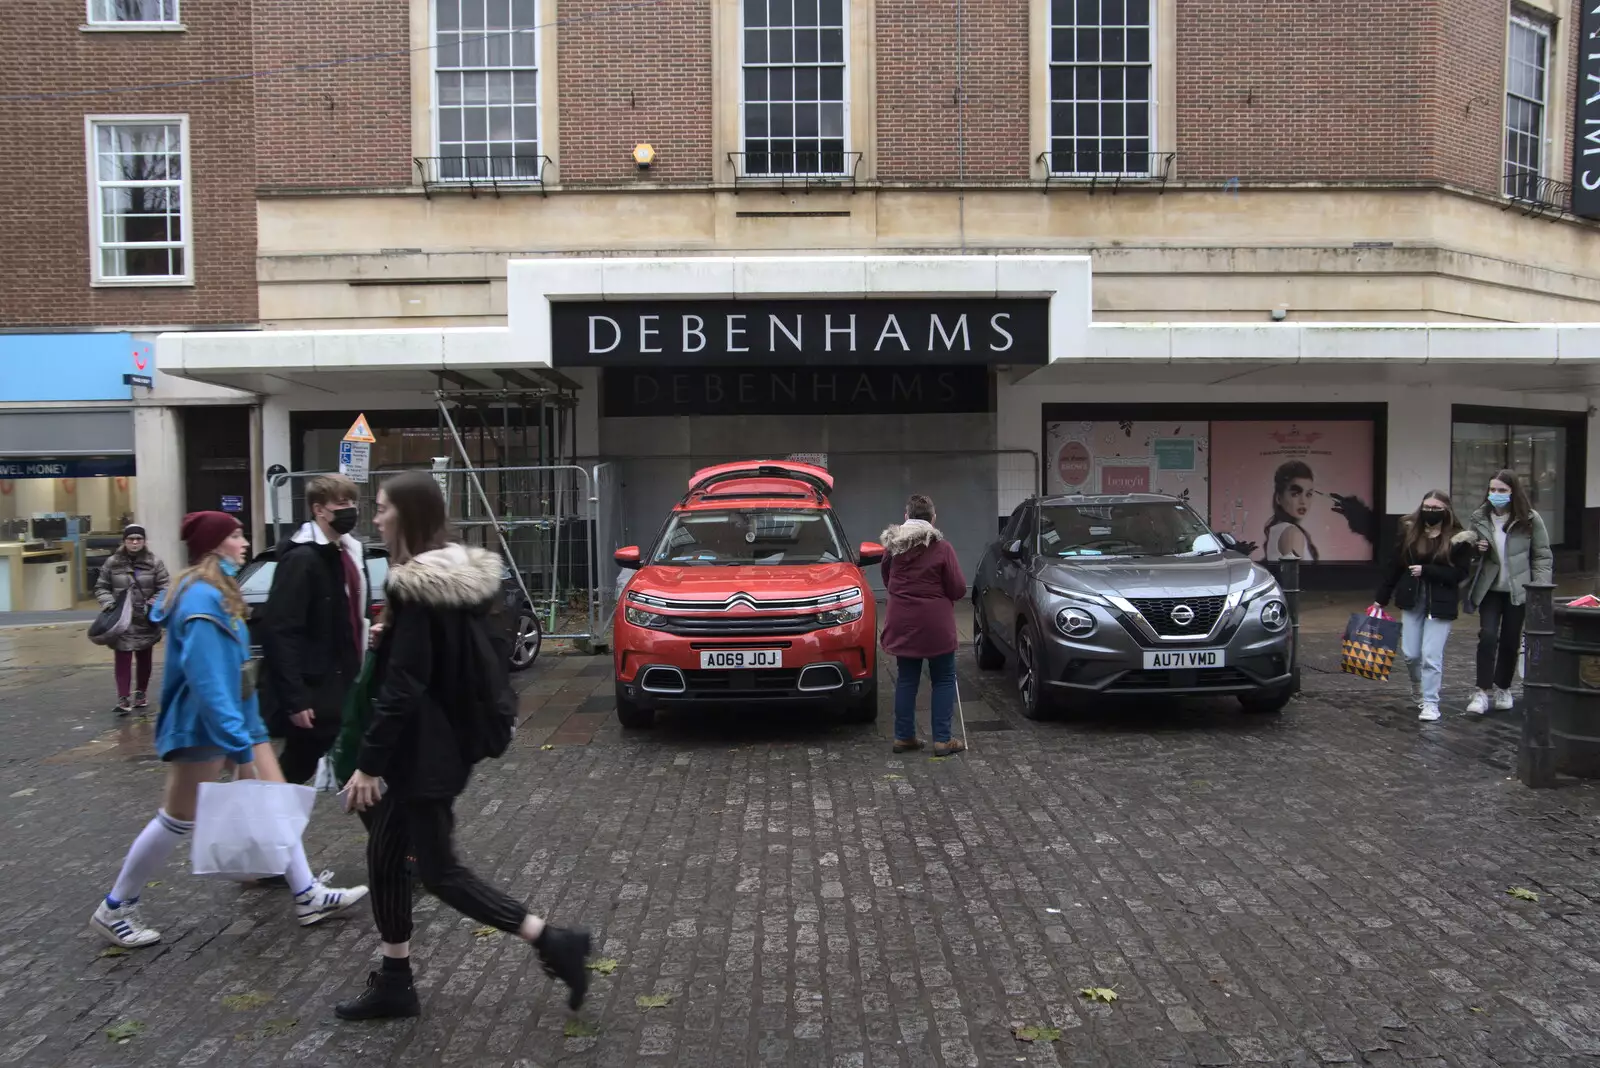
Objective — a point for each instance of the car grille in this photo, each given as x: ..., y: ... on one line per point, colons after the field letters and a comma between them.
x: 1203, y: 678
x: 740, y: 626
x: 1157, y: 612
x: 757, y: 681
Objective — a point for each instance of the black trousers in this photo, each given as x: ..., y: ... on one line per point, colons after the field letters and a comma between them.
x: 302, y: 748
x: 426, y: 828
x: 1499, y: 639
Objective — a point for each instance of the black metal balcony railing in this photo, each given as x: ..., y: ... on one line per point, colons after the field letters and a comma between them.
x: 1537, y: 196
x: 473, y: 173
x: 806, y: 169
x: 1107, y: 168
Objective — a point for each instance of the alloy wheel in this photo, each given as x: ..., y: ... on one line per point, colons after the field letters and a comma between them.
x: 529, y: 640
x: 1025, y: 671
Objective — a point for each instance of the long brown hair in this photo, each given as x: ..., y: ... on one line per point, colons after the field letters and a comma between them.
x: 209, y: 569
x: 1415, y: 542
x: 1521, y: 508
x: 424, y: 521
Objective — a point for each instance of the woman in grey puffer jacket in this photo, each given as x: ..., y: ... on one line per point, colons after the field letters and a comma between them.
x: 138, y: 570
x: 1516, y: 550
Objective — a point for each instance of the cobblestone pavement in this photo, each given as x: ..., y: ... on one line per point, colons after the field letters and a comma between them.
x: 1326, y: 887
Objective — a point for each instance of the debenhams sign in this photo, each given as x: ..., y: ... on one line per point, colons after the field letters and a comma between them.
x: 745, y: 332
x: 1586, y: 151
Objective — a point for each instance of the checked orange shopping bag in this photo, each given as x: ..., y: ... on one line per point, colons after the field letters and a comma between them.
x: 1371, y: 640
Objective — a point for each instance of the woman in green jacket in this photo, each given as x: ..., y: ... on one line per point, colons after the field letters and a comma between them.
x: 1516, y: 551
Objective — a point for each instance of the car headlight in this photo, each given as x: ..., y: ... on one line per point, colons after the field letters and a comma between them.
x: 1268, y: 584
x: 836, y: 617
x: 1079, y: 595
x: 1274, y: 614
x: 1075, y: 622
x: 640, y: 618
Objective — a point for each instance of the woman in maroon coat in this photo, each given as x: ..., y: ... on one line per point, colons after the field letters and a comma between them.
x: 924, y: 581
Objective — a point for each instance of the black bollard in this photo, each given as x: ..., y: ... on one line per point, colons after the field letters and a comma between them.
x: 1289, y: 582
x: 1535, y: 763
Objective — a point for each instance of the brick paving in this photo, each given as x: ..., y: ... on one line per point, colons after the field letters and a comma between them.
x: 1326, y: 887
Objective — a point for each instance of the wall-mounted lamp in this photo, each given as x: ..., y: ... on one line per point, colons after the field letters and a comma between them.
x: 644, y: 155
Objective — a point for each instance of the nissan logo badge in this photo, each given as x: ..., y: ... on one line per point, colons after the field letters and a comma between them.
x: 1183, y: 615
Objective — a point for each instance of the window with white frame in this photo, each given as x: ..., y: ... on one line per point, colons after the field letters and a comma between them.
x: 1527, y: 90
x: 139, y: 210
x: 486, y: 77
x: 133, y: 12
x: 1102, y: 80
x: 794, y: 99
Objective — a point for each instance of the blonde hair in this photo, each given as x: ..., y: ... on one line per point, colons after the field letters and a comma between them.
x: 209, y: 569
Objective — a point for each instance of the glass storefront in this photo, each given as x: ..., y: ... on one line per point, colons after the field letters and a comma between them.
x: 1538, y: 454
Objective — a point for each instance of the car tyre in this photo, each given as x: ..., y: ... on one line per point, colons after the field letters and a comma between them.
x: 631, y: 714
x: 529, y: 639
x: 989, y: 656
x: 863, y: 709
x: 1036, y: 704
x: 1268, y: 702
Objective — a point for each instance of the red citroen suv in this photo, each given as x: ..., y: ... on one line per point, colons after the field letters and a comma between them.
x: 751, y: 595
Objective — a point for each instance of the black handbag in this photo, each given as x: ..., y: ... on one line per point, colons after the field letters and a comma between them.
x: 113, y: 622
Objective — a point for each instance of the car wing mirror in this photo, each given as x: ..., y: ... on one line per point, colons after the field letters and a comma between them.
x: 870, y: 552
x: 1014, y: 551
x: 1228, y: 541
x: 628, y: 557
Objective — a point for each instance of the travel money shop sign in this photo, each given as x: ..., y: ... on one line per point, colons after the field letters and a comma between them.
x: 1586, y: 142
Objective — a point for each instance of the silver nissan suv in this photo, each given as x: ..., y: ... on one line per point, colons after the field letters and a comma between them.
x: 1129, y: 595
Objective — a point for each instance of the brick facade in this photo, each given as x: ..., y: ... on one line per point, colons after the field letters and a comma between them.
x: 45, y: 219
x: 923, y: 134
x: 631, y: 76
x: 340, y: 126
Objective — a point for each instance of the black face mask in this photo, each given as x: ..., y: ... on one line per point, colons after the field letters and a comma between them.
x: 344, y: 520
x: 1433, y: 519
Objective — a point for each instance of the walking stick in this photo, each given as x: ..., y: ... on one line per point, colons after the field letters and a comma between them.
x: 961, y: 715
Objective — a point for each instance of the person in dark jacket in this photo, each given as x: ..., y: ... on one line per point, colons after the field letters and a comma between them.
x: 136, y: 569
x: 1424, y: 579
x: 314, y: 629
x: 924, y: 581
x: 438, y: 650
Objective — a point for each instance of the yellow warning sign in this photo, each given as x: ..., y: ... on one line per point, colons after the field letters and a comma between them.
x: 359, y: 431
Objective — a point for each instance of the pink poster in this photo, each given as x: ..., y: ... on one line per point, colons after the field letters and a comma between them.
x: 1127, y: 456
x: 1295, y: 488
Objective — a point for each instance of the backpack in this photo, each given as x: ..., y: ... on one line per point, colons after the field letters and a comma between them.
x: 488, y: 718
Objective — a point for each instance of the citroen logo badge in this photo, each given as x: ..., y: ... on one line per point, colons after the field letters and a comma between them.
x: 1183, y: 615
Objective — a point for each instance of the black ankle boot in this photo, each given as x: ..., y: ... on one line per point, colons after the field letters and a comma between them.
x: 563, y: 952
x: 389, y: 995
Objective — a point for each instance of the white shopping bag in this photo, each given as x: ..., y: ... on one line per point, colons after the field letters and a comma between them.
x: 249, y: 827
x: 326, y: 781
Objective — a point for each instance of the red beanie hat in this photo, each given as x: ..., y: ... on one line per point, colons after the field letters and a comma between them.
x: 202, y: 532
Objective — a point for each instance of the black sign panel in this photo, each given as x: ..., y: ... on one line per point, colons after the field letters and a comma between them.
x: 1586, y: 140
x: 901, y: 333
x: 792, y: 390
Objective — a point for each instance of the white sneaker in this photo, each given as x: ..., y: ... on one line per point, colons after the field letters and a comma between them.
x: 1479, y: 703
x: 121, y: 926
x: 320, y: 902
x: 1429, y: 713
x: 1502, y: 700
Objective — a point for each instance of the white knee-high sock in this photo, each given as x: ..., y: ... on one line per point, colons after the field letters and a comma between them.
x: 147, y: 854
x: 298, y: 875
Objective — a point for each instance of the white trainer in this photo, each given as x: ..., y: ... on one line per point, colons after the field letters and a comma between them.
x: 1429, y: 713
x: 121, y: 926
x: 1502, y: 700
x: 320, y: 902
x: 1479, y: 703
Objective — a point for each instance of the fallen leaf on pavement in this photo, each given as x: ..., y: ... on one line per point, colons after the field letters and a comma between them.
x: 124, y: 1032
x: 1098, y: 993
x: 1522, y: 893
x: 152, y: 884
x: 547, y: 747
x: 1473, y: 1008
x: 580, y: 1029
x: 245, y: 1002
x: 894, y: 778
x: 603, y: 966
x: 653, y: 1001
x: 114, y: 951
x: 485, y: 932
x: 1037, y: 1034
x: 29, y: 792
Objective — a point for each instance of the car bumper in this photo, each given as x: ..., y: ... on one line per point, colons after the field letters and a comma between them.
x: 1112, y: 663
x: 828, y: 666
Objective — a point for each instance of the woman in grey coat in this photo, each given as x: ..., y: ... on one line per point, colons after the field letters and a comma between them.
x: 136, y: 569
x: 1516, y: 551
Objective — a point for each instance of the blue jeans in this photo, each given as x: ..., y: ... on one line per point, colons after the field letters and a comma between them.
x: 1422, y: 644
x: 942, y: 670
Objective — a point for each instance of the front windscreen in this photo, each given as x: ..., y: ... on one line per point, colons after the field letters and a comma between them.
x: 1145, y: 528
x: 750, y: 536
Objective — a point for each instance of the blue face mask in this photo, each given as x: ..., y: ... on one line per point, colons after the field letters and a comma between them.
x: 1499, y: 500
x: 229, y: 568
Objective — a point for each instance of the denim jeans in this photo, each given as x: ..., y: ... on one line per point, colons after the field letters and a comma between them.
x: 942, y: 670
x: 1422, y: 644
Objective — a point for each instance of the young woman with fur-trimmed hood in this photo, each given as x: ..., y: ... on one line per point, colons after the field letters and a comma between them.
x: 439, y: 682
x: 924, y: 581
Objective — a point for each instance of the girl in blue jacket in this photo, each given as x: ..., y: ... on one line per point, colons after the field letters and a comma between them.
x: 208, y: 717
